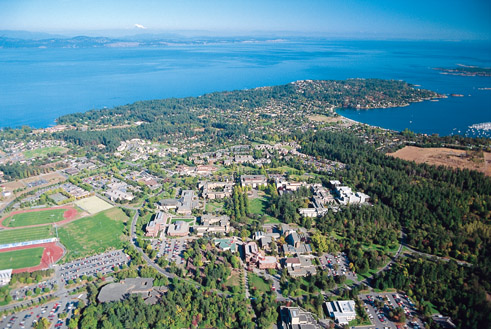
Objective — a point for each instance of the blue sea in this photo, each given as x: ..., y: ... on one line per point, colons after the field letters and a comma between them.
x: 39, y: 85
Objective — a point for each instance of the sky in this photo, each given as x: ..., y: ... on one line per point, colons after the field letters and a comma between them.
x: 404, y: 19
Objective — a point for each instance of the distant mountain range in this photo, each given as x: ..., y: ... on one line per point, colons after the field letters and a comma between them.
x: 25, y: 39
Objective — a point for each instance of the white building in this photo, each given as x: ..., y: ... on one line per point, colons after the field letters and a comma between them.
x: 5, y: 276
x: 253, y: 181
x: 342, y: 311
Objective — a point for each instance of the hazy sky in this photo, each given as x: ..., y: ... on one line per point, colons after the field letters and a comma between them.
x: 420, y: 19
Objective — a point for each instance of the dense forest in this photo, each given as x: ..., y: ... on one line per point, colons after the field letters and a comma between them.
x: 182, y: 307
x: 443, y: 211
x: 454, y: 290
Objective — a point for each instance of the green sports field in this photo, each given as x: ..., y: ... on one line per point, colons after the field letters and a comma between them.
x: 26, y: 234
x: 42, y: 152
x: 34, y: 218
x: 95, y: 234
x: 20, y: 258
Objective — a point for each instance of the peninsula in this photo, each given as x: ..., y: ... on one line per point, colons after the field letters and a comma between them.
x: 466, y: 70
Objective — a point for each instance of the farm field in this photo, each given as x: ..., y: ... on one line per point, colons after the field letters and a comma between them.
x: 26, y: 234
x: 20, y: 258
x: 94, y: 234
x: 34, y: 218
x: 93, y: 205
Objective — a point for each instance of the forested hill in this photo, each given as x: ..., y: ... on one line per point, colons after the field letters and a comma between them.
x: 442, y: 212
x: 221, y: 115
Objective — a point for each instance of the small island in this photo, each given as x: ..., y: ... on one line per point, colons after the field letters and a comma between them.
x: 467, y: 71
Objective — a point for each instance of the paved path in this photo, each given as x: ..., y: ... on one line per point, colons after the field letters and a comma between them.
x: 246, y: 284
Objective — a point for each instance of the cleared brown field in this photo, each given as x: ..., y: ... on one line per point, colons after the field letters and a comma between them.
x: 323, y: 118
x: 51, y: 178
x: 474, y: 160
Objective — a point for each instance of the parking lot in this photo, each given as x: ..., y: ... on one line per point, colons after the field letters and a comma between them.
x: 91, y: 266
x: 173, y: 249
x: 51, y: 311
x: 337, y: 265
x: 21, y: 293
x: 378, y: 306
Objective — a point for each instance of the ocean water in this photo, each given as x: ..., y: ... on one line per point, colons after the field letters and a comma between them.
x: 39, y: 85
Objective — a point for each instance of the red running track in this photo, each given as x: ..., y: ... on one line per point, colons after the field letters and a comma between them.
x: 51, y: 254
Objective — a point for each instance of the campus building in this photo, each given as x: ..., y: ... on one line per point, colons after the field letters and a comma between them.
x: 342, y: 311
x: 157, y: 224
x: 253, y: 181
x: 179, y: 228
x: 297, y: 318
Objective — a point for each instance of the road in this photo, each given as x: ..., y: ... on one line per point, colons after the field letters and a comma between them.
x: 412, y: 251
x: 145, y: 257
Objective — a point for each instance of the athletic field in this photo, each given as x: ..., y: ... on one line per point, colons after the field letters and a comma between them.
x: 26, y: 234
x: 34, y: 218
x: 21, y: 258
x: 94, y: 234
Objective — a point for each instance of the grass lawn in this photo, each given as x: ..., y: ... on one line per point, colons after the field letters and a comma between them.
x: 386, y: 290
x: 188, y: 220
x: 433, y: 309
x: 363, y: 276
x: 42, y: 152
x: 359, y: 322
x: 35, y: 217
x: 214, y: 206
x: 258, y: 205
x: 336, y: 236
x: 26, y: 234
x: 20, y: 258
x: 93, y: 235
x: 259, y: 283
x: 349, y: 282
x: 388, y: 249
x: 271, y: 220
x: 233, y: 280
x: 284, y: 169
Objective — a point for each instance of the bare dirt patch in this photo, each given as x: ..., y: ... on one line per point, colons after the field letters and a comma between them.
x: 474, y: 160
x: 93, y: 204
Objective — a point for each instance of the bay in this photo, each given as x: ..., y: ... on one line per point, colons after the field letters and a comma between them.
x: 39, y: 85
